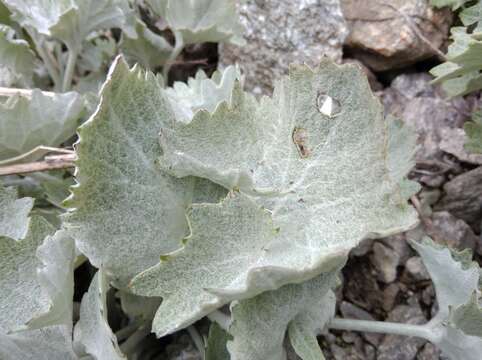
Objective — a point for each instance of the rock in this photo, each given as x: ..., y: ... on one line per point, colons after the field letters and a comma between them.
x: 360, y: 286
x: 446, y: 229
x: 386, y: 261
x: 394, y: 347
x: 390, y: 294
x: 415, y: 268
x: 422, y: 106
x: 383, y: 33
x: 452, y: 142
x: 428, y: 295
x: 282, y: 32
x: 399, y: 244
x: 463, y: 198
x: 350, y: 311
x: 429, y: 352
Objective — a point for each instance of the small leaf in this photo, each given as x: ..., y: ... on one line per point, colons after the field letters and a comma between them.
x: 16, y: 56
x: 41, y: 120
x: 202, y: 20
x: 259, y: 324
x: 149, y: 49
x: 21, y: 295
x: 202, y: 93
x: 474, y: 133
x: 92, y: 332
x: 461, y: 73
x: 216, y: 344
x: 14, y: 213
x: 456, y: 281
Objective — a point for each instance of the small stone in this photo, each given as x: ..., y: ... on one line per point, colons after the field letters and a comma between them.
x: 463, y: 197
x: 428, y: 295
x: 390, y: 294
x: 416, y: 269
x: 282, y: 32
x: 394, y: 347
x: 429, y: 352
x: 386, y: 261
x: 383, y: 33
x: 446, y: 229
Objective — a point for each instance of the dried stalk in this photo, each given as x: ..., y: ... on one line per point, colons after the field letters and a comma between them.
x: 51, y: 162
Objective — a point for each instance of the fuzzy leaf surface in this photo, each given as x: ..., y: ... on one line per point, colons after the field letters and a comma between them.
x: 456, y: 280
x: 16, y: 55
x: 202, y: 93
x: 92, y: 332
x: 125, y: 210
x: 306, y: 199
x: 461, y: 73
x: 216, y: 348
x: 259, y: 324
x: 149, y: 49
x: 42, y: 120
x: 70, y: 20
x: 201, y: 20
x: 21, y: 295
x: 13, y: 213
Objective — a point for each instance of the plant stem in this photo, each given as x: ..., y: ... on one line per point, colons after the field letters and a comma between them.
x: 219, y: 317
x: 23, y: 92
x: 381, y: 327
x: 50, y: 163
x: 42, y: 52
x: 178, y: 46
x: 133, y: 341
x: 198, y: 341
x: 69, y: 70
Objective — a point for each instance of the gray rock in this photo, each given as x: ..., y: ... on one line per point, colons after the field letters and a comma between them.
x: 386, y: 261
x: 429, y: 352
x: 416, y: 269
x: 350, y: 311
x: 383, y: 33
x: 463, y: 198
x: 412, y: 98
x: 446, y: 229
x: 395, y: 347
x: 282, y: 32
x: 452, y: 142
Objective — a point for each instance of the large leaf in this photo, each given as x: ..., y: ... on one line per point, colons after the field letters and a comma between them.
x: 201, y: 20
x: 13, y: 213
x: 457, y: 326
x: 474, y: 133
x: 259, y: 324
x: 70, y: 20
x: 202, y: 93
x: 127, y: 211
x: 312, y: 187
x: 92, y: 332
x: 26, y: 123
x: 16, y: 55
